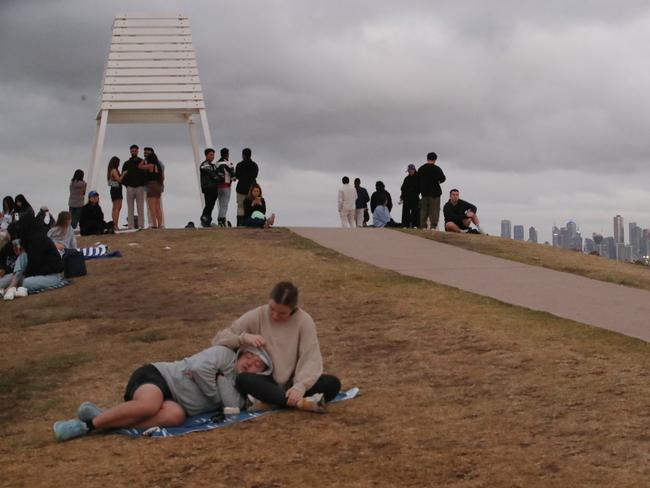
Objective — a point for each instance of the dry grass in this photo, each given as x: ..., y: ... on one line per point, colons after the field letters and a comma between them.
x: 458, y: 392
x: 595, y: 267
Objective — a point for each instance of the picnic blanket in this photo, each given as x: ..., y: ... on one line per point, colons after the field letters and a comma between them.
x: 99, y: 251
x: 205, y: 421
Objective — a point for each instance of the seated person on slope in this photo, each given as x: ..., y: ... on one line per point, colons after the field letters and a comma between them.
x: 39, y: 263
x: 91, y: 221
x: 459, y: 214
x: 163, y: 394
x: 381, y: 214
x: 62, y: 233
x: 255, y: 209
x: 7, y: 260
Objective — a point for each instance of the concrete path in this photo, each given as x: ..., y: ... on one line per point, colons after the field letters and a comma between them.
x: 606, y: 305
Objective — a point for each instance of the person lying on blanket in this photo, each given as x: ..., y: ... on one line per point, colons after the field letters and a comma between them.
x: 163, y: 394
x: 289, y: 335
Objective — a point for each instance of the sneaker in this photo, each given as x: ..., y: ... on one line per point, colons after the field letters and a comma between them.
x: 21, y: 291
x: 473, y: 231
x: 10, y: 293
x: 88, y: 411
x: 64, y: 430
x: 314, y: 403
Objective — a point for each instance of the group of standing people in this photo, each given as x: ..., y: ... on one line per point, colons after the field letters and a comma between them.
x: 217, y: 178
x: 270, y: 356
x: 420, y: 199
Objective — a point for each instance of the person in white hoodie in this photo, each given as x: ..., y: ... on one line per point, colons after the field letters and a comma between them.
x: 347, y: 203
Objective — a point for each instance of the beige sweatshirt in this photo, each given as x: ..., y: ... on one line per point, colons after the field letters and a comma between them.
x: 292, y: 345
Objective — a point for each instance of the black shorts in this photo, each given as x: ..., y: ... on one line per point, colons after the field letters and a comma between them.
x: 147, y: 374
x: 116, y: 193
x: 461, y: 225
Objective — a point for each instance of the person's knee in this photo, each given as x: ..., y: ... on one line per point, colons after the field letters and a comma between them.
x: 451, y: 227
x: 174, y: 413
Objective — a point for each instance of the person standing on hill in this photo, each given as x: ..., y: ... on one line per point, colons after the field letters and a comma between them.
x: 430, y: 176
x: 77, y: 196
x: 410, y: 198
x: 225, y: 174
x: 208, y: 170
x: 361, y: 204
x: 154, y: 172
x: 135, y: 180
x: 246, y: 173
x: 347, y: 203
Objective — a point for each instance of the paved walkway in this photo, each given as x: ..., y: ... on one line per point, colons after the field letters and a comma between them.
x: 606, y: 305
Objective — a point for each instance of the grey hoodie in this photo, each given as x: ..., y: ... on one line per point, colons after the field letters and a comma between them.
x: 206, y: 380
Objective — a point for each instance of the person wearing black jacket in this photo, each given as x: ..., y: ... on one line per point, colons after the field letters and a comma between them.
x: 410, y: 198
x: 39, y: 265
x: 91, y: 221
x: 209, y: 181
x: 379, y: 195
x: 7, y: 260
x: 459, y: 214
x: 430, y: 176
x: 246, y: 173
x: 135, y: 179
x: 226, y: 175
x: 361, y: 204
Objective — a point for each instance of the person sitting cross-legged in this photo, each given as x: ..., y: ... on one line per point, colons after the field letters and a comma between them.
x: 459, y: 214
x: 163, y: 394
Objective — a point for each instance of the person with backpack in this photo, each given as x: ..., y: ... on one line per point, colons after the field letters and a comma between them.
x: 226, y: 175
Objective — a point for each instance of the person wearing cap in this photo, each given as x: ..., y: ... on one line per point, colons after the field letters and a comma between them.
x: 289, y: 335
x: 163, y: 394
x: 92, y: 218
x: 410, y: 198
x: 430, y: 176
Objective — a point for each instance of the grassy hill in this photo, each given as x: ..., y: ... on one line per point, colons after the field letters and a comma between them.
x: 457, y: 389
x: 595, y: 267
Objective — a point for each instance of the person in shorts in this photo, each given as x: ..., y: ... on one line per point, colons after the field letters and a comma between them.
x: 459, y: 214
x: 163, y: 394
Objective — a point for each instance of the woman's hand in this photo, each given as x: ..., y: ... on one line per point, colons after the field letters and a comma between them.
x: 253, y: 340
x: 293, y: 397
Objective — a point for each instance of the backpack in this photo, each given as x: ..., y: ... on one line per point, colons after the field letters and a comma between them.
x: 74, y: 263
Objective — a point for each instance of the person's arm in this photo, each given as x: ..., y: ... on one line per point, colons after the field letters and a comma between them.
x: 471, y: 207
x: 402, y: 191
x: 213, y: 372
x: 243, y: 331
x: 263, y: 206
x: 373, y: 203
x: 255, y: 172
x: 441, y: 177
x: 310, y: 362
x: 73, y: 238
x: 389, y: 203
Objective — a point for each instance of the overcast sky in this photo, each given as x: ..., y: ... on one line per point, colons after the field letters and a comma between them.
x: 538, y: 110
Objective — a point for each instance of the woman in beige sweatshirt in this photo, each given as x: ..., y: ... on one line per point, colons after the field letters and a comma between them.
x: 288, y: 334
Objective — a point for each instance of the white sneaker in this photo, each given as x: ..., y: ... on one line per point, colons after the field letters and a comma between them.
x: 21, y: 291
x: 10, y: 293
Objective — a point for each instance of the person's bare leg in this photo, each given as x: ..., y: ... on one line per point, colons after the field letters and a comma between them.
x: 158, y: 210
x: 170, y: 415
x: 147, y: 402
x: 117, y: 208
x: 451, y: 227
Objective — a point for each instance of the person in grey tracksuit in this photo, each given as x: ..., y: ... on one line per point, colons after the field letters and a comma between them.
x: 163, y: 394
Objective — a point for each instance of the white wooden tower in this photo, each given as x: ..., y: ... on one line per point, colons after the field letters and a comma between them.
x: 151, y: 76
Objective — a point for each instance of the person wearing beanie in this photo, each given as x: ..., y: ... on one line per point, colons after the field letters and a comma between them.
x: 410, y: 198
x: 163, y: 394
x: 430, y: 176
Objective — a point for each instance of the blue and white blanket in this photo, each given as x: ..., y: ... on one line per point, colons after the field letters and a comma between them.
x: 99, y: 251
x: 204, y: 421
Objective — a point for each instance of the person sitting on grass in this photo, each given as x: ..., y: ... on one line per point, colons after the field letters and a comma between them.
x: 62, y: 233
x: 39, y: 263
x: 381, y: 214
x: 459, y: 214
x: 91, y: 221
x: 289, y: 335
x: 7, y: 260
x: 255, y: 209
x: 164, y: 394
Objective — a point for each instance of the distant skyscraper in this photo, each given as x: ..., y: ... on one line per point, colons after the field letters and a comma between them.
x: 518, y: 232
x: 506, y: 230
x: 556, y: 237
x: 590, y: 246
x: 619, y: 232
x: 635, y: 236
x: 609, y: 247
x: 532, y: 234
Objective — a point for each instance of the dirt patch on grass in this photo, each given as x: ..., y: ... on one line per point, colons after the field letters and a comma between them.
x: 457, y: 389
x: 594, y: 267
